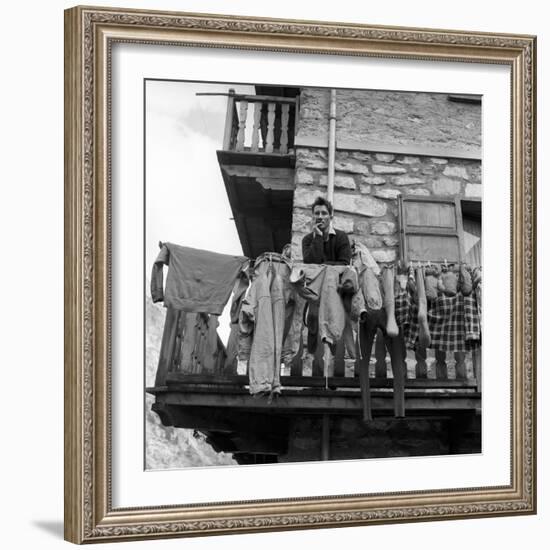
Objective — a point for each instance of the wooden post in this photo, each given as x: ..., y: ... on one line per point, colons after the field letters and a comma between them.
x: 441, y: 372
x: 284, y: 128
x: 228, y: 131
x: 270, y: 128
x: 339, y: 361
x: 420, y: 355
x: 243, y: 109
x: 256, y: 127
x: 476, y: 361
x: 460, y: 365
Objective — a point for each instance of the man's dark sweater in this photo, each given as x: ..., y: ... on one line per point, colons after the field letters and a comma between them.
x: 334, y: 251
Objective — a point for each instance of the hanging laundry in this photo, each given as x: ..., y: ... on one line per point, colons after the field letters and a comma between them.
x: 257, y: 331
x: 370, y: 285
x: 326, y: 316
x: 388, y: 279
x: 354, y: 306
x: 372, y: 323
x: 187, y: 363
x: 476, y: 285
x: 197, y: 280
x: 454, y: 322
x: 449, y: 281
x: 293, y: 338
x: 307, y: 281
x: 368, y: 272
x: 239, y: 293
x: 278, y: 316
x: 465, y: 280
x: 362, y: 258
x: 200, y: 350
x: 232, y: 350
x: 431, y: 278
x: 332, y: 316
x: 424, y: 337
x: 209, y: 351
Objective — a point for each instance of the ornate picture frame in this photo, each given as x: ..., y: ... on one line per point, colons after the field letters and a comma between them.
x: 90, y: 34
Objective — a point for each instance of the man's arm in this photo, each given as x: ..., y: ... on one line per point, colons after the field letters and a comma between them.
x: 343, y: 249
x: 312, y: 249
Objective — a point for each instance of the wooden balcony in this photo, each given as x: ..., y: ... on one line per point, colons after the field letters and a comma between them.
x: 441, y: 391
x: 260, y: 124
x: 257, y: 164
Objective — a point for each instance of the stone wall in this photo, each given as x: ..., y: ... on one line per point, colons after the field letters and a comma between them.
x: 389, y: 117
x: 366, y: 188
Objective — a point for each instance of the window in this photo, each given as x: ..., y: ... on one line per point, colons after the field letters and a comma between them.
x: 471, y: 222
x: 431, y: 229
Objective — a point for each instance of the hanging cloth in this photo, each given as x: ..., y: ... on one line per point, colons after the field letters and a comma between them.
x: 198, y: 280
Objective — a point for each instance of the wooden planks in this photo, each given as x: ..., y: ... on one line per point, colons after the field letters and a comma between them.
x: 181, y: 379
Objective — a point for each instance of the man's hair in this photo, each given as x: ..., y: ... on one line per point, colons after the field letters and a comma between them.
x: 321, y: 201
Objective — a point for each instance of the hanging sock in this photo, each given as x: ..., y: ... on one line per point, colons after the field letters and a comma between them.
x: 431, y: 282
x: 476, y: 277
x: 424, y: 339
x: 389, y: 302
x: 449, y: 281
x: 411, y: 282
x: 371, y: 289
x: 465, y: 280
x: 402, y: 279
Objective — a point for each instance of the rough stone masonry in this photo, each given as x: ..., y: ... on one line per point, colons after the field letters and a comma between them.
x: 367, y: 184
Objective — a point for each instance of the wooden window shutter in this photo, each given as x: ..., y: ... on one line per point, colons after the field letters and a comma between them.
x: 430, y: 229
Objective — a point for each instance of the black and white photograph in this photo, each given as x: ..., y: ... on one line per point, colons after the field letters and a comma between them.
x: 313, y: 274
x: 276, y: 230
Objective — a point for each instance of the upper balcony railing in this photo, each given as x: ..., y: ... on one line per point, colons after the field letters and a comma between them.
x: 260, y: 124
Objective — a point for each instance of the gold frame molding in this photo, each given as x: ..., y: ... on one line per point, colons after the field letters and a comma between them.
x: 89, y: 34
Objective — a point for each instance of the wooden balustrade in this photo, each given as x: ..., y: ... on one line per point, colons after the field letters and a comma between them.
x: 421, y: 368
x: 272, y: 121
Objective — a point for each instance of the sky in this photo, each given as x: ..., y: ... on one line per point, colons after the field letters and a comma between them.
x: 185, y: 198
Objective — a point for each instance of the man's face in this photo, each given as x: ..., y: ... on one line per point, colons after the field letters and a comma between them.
x: 321, y: 217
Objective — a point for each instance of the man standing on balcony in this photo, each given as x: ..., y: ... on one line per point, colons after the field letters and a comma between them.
x: 325, y: 244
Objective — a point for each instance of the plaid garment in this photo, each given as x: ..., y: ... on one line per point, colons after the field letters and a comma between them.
x: 454, y: 321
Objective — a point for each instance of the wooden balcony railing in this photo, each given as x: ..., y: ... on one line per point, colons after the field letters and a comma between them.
x: 260, y: 124
x: 423, y: 369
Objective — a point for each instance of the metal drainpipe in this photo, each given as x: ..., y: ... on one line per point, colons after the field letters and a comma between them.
x: 330, y: 194
x: 331, y: 145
